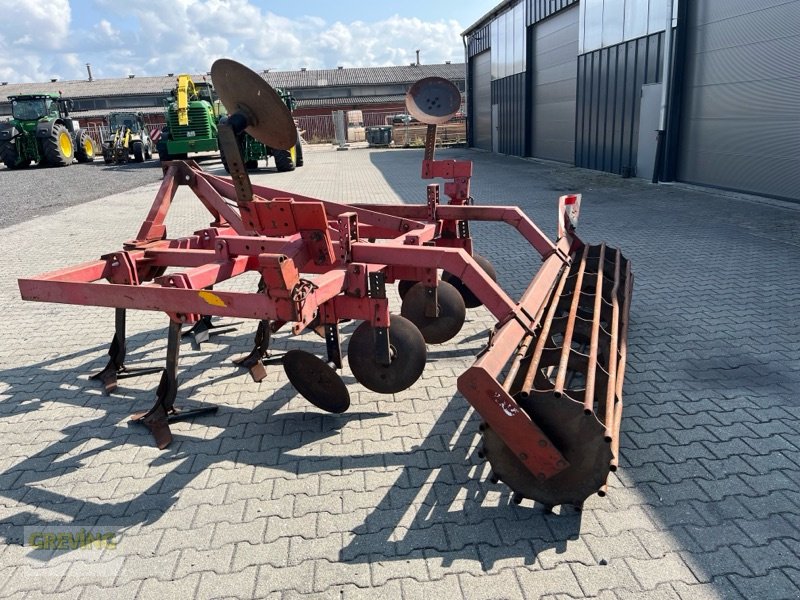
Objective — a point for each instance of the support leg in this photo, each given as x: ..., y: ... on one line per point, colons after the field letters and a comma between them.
x: 115, y: 368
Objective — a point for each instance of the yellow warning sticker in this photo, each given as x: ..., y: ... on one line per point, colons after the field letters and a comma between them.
x: 211, y: 298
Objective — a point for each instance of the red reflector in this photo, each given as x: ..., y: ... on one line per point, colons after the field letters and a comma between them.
x: 570, y: 200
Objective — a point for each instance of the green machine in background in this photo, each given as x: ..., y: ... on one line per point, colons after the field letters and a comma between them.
x: 192, y: 113
x: 41, y: 131
x: 254, y: 151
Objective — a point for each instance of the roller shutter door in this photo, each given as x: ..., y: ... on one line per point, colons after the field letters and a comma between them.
x: 481, y: 101
x: 740, y: 124
x: 555, y: 72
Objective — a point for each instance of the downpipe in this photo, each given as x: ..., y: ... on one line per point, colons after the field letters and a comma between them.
x: 666, y: 79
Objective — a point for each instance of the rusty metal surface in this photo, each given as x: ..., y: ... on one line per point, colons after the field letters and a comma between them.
x: 570, y: 383
x: 433, y: 100
x: 242, y: 90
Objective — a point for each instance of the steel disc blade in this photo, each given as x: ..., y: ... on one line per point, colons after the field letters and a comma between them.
x: 316, y: 381
x: 451, y: 309
x: 244, y: 91
x: 408, y: 357
x: 433, y: 100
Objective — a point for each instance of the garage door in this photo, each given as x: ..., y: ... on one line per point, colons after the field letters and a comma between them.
x: 555, y: 71
x: 481, y: 101
x: 740, y: 122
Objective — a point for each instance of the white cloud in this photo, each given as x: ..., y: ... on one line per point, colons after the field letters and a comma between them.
x: 29, y: 32
x: 148, y: 38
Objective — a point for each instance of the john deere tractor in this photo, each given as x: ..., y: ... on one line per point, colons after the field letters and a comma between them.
x: 192, y: 113
x: 41, y: 131
x: 127, y: 139
x: 254, y: 151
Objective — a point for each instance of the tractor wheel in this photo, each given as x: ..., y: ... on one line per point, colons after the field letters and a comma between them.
x: 163, y: 153
x: 58, y: 148
x: 470, y: 299
x: 84, y: 146
x: 283, y: 160
x: 450, y: 308
x: 251, y: 165
x: 407, y: 349
x: 298, y: 154
x: 138, y: 151
x: 148, y: 151
x: 8, y: 155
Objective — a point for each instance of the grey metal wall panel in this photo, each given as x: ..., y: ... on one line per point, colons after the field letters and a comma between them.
x: 538, y: 10
x: 480, y: 90
x: 609, y: 87
x: 478, y: 41
x: 509, y: 95
x: 740, y: 124
x: 554, y: 72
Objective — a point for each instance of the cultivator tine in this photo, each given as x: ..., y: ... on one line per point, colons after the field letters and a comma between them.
x: 115, y: 368
x: 259, y: 355
x: 204, y: 328
x: 163, y: 412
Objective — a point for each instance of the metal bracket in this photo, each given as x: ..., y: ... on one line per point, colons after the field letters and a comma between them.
x: 348, y: 233
x: 333, y: 344
x: 377, y: 285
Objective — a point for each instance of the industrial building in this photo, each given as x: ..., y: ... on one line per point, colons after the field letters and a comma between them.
x: 375, y: 90
x: 582, y: 82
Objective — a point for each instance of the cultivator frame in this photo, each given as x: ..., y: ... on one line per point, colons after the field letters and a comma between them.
x: 323, y: 262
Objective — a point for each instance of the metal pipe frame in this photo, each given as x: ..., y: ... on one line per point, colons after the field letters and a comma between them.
x: 282, y: 236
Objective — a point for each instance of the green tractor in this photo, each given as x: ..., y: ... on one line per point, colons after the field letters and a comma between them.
x: 192, y: 113
x: 127, y: 139
x: 41, y: 131
x: 254, y: 151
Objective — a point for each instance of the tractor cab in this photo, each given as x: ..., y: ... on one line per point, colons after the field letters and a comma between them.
x: 33, y: 107
x: 132, y: 121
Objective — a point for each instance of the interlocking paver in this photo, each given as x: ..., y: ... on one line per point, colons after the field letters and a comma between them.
x: 269, y: 498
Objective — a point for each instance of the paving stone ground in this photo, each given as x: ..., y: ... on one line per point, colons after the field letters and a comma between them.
x: 271, y: 498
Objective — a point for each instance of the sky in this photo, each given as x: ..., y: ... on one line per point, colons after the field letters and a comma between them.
x: 40, y: 40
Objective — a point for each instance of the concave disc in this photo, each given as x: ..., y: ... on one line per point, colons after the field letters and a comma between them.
x: 316, y: 381
x: 244, y: 91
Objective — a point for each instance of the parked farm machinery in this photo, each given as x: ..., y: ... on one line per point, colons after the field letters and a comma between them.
x: 548, y: 384
x: 41, y: 132
x: 253, y: 151
x: 128, y: 138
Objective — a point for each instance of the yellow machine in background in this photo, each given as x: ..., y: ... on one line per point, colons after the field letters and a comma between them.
x: 128, y: 138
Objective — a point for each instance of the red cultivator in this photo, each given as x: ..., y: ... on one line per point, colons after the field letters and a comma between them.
x: 548, y: 385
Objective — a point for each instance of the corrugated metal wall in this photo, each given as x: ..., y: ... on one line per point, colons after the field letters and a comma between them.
x: 741, y: 116
x: 509, y: 96
x: 553, y: 83
x: 509, y: 93
x: 609, y: 89
x: 478, y: 41
x: 541, y: 9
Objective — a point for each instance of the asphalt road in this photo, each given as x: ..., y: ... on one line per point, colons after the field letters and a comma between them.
x: 37, y: 191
